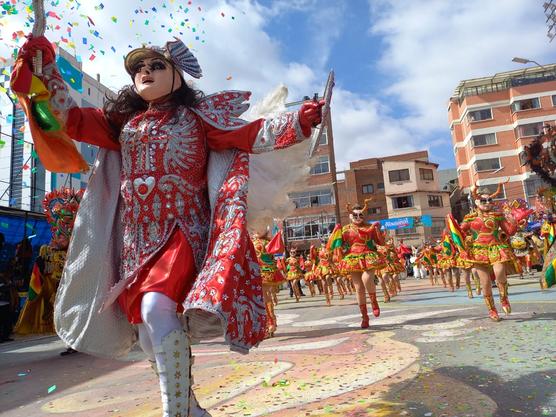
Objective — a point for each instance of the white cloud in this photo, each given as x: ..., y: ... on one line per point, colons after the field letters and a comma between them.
x: 432, y: 45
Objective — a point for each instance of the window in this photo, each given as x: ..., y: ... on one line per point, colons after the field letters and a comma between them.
x: 426, y: 174
x: 478, y: 115
x: 368, y: 189
x: 484, y: 140
x: 398, y: 175
x: 487, y: 164
x: 374, y: 210
x: 405, y: 201
x: 435, y: 201
x: 406, y: 231
x: 554, y: 100
x: 380, y: 186
x: 531, y: 129
x: 438, y: 225
x: 324, y: 138
x: 532, y: 186
x: 310, y: 227
x: 321, y: 167
x: 313, y: 198
x: 528, y: 104
x: 491, y: 189
x: 523, y: 159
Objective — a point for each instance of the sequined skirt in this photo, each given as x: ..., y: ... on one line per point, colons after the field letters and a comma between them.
x: 361, y: 262
x: 491, y: 254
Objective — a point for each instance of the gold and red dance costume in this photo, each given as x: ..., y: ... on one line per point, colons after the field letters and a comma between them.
x: 325, y: 271
x: 429, y: 258
x: 162, y: 227
x: 447, y: 261
x: 388, y: 275
x: 270, y: 274
x: 309, y: 266
x: 294, y: 272
x: 490, y: 229
x: 355, y: 246
x: 525, y: 251
x: 37, y: 316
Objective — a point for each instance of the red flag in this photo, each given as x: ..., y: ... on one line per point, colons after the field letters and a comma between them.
x: 276, y: 245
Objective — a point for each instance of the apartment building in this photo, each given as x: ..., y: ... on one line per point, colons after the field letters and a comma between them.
x: 404, y: 192
x: 416, y: 205
x: 365, y: 180
x: 492, y: 119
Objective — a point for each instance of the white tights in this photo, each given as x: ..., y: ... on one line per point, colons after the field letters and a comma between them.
x: 158, y: 313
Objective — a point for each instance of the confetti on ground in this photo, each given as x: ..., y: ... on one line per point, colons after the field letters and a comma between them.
x: 51, y: 389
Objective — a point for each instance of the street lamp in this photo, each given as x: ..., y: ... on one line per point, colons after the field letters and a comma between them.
x: 525, y: 61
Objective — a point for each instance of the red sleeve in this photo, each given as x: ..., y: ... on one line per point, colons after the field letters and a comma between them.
x: 509, y: 227
x: 89, y: 125
x: 241, y: 138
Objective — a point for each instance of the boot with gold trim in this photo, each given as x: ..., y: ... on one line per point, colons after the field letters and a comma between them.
x: 492, y: 312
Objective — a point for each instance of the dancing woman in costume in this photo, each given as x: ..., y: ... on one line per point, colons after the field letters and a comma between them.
x: 325, y: 272
x: 309, y: 270
x: 270, y: 274
x: 489, y: 250
x: 294, y: 272
x: 166, y: 205
x: 355, y: 246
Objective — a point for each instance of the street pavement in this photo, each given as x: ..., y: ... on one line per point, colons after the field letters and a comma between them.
x: 431, y: 353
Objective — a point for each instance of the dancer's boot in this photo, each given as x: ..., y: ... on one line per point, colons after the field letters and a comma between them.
x: 469, y: 290
x: 364, y: 316
x: 374, y: 304
x: 492, y: 313
x: 504, y: 300
x: 173, y: 361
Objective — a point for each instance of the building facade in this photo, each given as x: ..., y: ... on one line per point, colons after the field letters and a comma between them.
x: 314, y: 216
x: 492, y: 119
x: 417, y: 207
x: 403, y: 194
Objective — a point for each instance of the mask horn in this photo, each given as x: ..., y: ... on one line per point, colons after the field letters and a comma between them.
x: 367, y: 201
x: 473, y: 190
x: 499, y: 188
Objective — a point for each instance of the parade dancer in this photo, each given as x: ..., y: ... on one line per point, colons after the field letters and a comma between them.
x: 355, y: 246
x: 37, y: 316
x: 309, y: 270
x: 294, y: 272
x: 488, y: 250
x: 270, y: 274
x: 324, y: 271
x: 162, y: 226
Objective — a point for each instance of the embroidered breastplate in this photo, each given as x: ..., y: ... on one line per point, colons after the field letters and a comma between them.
x: 163, y: 185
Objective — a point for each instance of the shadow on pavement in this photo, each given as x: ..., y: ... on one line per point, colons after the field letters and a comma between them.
x: 527, y: 395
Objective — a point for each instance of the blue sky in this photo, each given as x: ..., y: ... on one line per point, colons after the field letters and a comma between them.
x: 396, y: 61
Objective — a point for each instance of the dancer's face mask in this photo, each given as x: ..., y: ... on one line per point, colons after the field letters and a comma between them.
x: 357, y: 217
x: 155, y: 78
x: 485, y: 202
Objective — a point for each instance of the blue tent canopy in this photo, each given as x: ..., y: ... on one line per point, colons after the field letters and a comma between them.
x: 15, y: 225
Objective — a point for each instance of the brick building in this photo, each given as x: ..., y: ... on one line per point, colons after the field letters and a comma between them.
x: 492, y: 119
